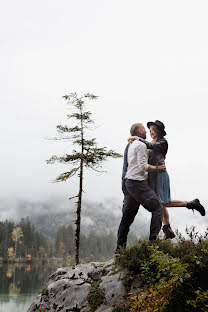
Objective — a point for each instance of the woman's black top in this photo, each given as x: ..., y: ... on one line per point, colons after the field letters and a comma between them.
x: 157, y: 157
x: 159, y: 151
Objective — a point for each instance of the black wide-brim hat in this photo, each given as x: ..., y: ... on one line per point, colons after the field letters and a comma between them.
x: 159, y: 125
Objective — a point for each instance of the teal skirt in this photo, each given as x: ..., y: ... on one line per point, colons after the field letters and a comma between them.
x: 160, y: 183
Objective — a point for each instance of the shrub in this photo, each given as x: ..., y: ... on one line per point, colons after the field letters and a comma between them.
x: 96, y: 295
x: 163, y: 274
x: 174, y: 275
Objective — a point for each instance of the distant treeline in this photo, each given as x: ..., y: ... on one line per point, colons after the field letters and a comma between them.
x: 92, y: 247
x: 22, y: 240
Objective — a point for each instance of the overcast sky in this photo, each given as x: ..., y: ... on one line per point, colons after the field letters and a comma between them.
x: 146, y: 60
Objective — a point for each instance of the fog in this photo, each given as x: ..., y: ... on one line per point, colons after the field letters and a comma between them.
x: 145, y: 60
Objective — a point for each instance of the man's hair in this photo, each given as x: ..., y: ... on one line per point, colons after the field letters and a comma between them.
x: 134, y: 128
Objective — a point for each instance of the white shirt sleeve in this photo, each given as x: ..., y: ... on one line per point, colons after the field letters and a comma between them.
x: 142, y: 157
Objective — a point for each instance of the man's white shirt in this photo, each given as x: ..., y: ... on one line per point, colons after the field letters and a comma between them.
x: 137, y: 161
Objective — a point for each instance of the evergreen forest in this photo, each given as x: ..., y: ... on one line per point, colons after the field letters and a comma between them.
x: 23, y: 242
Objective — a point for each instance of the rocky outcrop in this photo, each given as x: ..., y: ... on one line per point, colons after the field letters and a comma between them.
x: 95, y: 286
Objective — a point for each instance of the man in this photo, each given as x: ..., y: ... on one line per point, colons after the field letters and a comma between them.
x: 136, y: 189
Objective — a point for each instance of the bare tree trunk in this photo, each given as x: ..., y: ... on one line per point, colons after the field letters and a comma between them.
x: 78, y: 221
x: 79, y: 203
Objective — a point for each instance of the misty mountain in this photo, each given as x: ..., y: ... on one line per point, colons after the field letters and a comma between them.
x: 100, y: 217
x: 48, y: 215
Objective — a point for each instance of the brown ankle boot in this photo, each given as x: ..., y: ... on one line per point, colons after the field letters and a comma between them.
x: 168, y: 231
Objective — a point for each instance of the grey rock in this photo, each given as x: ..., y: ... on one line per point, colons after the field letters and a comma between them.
x: 35, y: 305
x: 74, y: 296
x: 69, y: 288
x: 113, y: 288
x: 136, y: 285
x: 104, y: 308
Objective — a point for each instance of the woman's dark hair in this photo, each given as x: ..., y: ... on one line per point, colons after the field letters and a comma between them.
x: 158, y: 131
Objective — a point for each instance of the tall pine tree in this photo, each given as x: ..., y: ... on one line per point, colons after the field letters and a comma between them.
x: 86, y: 153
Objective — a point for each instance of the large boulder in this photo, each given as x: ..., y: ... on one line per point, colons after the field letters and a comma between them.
x: 95, y: 286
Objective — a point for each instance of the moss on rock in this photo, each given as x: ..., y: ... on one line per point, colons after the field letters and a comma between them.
x: 96, y: 295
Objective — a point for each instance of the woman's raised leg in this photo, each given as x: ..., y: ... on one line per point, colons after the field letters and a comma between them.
x: 193, y: 204
x: 176, y: 203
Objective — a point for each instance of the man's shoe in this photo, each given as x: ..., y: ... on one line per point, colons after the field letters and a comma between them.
x: 118, y: 250
x: 117, y: 253
x: 195, y: 205
x: 168, y: 231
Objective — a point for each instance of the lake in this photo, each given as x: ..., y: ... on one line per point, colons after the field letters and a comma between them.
x: 21, y: 283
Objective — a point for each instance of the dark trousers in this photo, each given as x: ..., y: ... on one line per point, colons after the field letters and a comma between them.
x: 136, y: 193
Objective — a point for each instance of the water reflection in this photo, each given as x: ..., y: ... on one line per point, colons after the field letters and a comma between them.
x: 20, y: 284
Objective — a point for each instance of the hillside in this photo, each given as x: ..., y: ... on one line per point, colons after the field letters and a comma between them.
x: 160, y: 276
x: 49, y: 215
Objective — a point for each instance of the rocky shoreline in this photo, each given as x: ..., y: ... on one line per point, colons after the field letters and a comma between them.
x: 95, y: 286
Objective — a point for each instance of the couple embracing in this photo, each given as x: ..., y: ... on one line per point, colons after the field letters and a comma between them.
x: 145, y: 182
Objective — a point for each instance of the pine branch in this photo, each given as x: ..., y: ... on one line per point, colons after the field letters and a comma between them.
x: 84, y: 116
x: 62, y: 138
x: 100, y: 171
x: 73, y: 97
x: 95, y: 156
x: 63, y: 129
x: 64, y: 159
x: 90, y: 96
x: 73, y: 197
x: 66, y: 175
x: 86, y: 143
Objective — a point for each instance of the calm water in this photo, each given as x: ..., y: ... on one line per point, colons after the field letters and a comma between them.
x: 20, y: 284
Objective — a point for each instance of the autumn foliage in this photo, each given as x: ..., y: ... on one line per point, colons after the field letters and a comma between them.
x: 174, y: 275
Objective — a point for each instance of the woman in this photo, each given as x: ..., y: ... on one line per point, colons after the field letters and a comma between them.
x: 159, y: 180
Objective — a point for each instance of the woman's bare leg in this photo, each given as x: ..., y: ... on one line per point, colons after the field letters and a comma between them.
x: 165, y: 216
x: 193, y: 204
x: 176, y: 203
x: 173, y: 203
